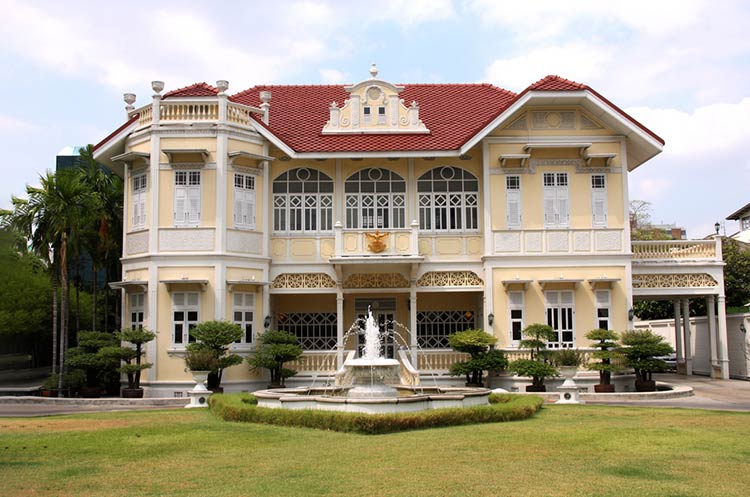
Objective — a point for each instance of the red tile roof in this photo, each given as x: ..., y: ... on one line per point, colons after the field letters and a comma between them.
x: 452, y: 112
x: 194, y: 90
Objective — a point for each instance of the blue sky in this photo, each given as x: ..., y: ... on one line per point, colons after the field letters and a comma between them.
x: 681, y: 67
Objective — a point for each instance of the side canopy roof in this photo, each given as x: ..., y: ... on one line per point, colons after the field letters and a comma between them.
x: 452, y: 118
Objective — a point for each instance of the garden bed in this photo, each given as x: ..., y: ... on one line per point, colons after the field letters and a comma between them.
x: 503, y: 407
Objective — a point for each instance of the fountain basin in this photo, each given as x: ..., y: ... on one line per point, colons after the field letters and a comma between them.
x: 371, y: 378
x: 408, y: 399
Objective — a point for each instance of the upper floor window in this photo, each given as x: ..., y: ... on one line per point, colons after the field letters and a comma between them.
x: 367, y: 115
x: 244, y: 201
x: 303, y: 202
x: 139, y: 200
x: 599, y: 200
x: 448, y: 200
x: 187, y: 198
x: 556, y: 200
x: 375, y: 198
x: 513, y: 201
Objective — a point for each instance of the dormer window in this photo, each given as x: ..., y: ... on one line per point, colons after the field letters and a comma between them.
x: 368, y: 115
x: 381, y: 115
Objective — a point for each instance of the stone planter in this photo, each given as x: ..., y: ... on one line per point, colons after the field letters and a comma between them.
x: 535, y: 388
x: 199, y: 394
x: 568, y: 372
x: 131, y: 393
x: 645, y: 386
x: 599, y: 388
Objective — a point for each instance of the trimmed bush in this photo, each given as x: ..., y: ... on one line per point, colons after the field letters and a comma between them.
x: 503, y: 407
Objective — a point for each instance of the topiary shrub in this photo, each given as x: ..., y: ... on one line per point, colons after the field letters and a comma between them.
x: 641, y: 349
x: 607, y: 354
x: 538, y: 367
x: 274, y: 349
x: 477, y: 344
x: 216, y: 337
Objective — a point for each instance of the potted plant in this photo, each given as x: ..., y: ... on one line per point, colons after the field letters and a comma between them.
x: 132, y: 356
x: 606, y: 343
x: 216, y: 337
x: 200, y: 362
x: 93, y: 356
x: 568, y: 361
x: 537, y: 367
x: 478, y: 344
x: 641, y: 349
x: 274, y: 348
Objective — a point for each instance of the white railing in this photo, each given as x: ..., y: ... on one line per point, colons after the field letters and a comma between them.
x: 146, y: 115
x: 185, y: 110
x: 407, y: 374
x: 239, y: 114
x: 440, y: 360
x: 171, y: 111
x: 315, y: 362
x: 677, y: 249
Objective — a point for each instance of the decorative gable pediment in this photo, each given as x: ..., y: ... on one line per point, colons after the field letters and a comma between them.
x: 374, y: 107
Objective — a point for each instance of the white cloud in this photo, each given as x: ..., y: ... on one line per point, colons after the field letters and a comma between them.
x: 9, y: 124
x: 409, y: 13
x: 577, y: 61
x: 708, y: 130
x: 332, y: 76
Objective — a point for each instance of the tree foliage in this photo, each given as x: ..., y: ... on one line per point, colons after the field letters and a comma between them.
x: 275, y: 348
x: 477, y: 344
x: 641, y: 349
x: 606, y: 343
x: 217, y: 336
x: 537, y: 367
x: 132, y: 355
x: 95, y: 356
x: 736, y: 272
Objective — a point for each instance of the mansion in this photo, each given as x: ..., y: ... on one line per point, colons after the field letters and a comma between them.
x: 441, y: 207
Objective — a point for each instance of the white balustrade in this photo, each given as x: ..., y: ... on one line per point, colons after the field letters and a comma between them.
x: 675, y: 249
x: 188, y: 111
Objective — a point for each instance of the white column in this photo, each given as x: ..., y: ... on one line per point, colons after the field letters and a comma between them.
x: 687, y: 336
x: 339, y: 327
x: 220, y: 297
x: 721, y: 340
x: 152, y: 321
x: 486, y: 200
x: 153, y: 194
x: 710, y: 306
x: 222, y: 193
x: 678, y: 336
x: 413, y: 344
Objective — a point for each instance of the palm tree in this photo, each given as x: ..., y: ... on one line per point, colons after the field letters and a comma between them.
x: 105, y: 220
x: 50, y: 217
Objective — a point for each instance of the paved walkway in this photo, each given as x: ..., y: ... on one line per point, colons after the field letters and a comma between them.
x: 724, y: 395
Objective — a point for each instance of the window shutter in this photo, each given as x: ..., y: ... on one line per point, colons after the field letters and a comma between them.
x: 193, y: 211
x: 250, y: 205
x: 136, y: 209
x: 180, y: 201
x: 549, y: 207
x: 513, y: 208
x: 563, y: 207
x: 599, y: 207
x: 142, y: 208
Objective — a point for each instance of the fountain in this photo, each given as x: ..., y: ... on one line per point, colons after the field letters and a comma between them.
x: 373, y: 384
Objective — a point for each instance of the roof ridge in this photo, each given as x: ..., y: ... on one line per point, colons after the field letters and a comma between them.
x: 186, y: 89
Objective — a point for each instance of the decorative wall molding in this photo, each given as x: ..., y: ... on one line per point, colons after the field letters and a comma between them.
x: 136, y: 243
x: 553, y: 119
x: 186, y: 240
x: 450, y: 278
x: 690, y: 280
x: 555, y: 162
x: 303, y: 280
x: 246, y: 242
x: 376, y: 280
x: 608, y: 240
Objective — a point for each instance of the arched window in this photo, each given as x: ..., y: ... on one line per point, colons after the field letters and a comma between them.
x: 375, y: 198
x: 303, y: 202
x: 448, y: 200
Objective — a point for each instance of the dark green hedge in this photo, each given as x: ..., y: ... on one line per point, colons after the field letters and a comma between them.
x: 503, y: 407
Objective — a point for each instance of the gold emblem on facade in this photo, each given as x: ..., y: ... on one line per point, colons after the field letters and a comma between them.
x: 376, y: 243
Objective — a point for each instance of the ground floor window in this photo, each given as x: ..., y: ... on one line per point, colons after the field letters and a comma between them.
x: 185, y: 307
x: 137, y: 306
x: 560, y: 312
x: 434, y: 327
x: 314, y: 330
x: 243, y: 309
x: 602, y: 309
x: 515, y: 311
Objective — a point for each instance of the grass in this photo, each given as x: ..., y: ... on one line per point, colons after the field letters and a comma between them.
x: 562, y: 450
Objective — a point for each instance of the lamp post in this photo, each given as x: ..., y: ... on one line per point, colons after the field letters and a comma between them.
x: 716, y: 227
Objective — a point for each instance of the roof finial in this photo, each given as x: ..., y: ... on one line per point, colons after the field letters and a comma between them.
x: 373, y: 71
x: 130, y: 100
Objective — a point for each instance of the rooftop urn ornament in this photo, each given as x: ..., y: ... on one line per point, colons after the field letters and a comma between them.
x: 129, y: 99
x: 373, y: 71
x: 222, y: 86
x: 265, y: 97
x: 157, y: 86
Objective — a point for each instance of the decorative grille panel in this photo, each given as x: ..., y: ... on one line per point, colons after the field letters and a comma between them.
x: 314, y: 330
x: 434, y: 327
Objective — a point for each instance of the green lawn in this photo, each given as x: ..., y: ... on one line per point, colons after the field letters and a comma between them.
x: 562, y: 450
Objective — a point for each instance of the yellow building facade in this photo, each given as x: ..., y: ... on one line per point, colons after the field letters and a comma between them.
x: 439, y: 207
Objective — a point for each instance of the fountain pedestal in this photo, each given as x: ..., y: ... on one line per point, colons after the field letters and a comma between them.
x: 370, y: 378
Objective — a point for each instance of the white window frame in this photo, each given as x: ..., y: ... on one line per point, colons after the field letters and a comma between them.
x: 603, y: 306
x: 137, y: 308
x: 559, y: 309
x: 599, y: 200
x: 371, y: 202
x: 184, y: 306
x: 244, y: 201
x: 243, y: 303
x: 745, y: 224
x: 309, y: 210
x: 190, y: 194
x: 513, y: 214
x: 139, y: 184
x: 516, y: 303
x: 449, y: 209
x: 556, y: 199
